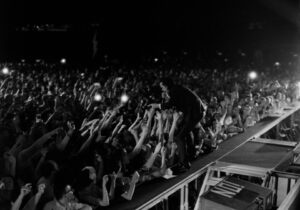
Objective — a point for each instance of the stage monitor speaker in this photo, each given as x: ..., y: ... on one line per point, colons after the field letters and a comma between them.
x: 236, y: 194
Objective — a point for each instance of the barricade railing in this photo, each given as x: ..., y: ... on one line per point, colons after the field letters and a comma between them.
x: 197, y: 176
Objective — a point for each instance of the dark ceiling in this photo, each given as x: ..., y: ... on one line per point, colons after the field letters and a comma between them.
x: 145, y: 25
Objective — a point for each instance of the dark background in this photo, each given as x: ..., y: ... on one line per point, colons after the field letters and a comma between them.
x: 132, y: 29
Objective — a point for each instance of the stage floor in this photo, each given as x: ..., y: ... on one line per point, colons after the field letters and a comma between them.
x: 257, y: 154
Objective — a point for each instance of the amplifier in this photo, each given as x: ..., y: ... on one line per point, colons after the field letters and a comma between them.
x: 236, y: 194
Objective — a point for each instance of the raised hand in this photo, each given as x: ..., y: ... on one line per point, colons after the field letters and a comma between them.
x: 44, y: 151
x: 163, y: 151
x: 99, y: 158
x: 8, y: 156
x: 174, y: 146
x: 144, y: 125
x: 119, y: 173
x: 2, y: 185
x: 155, y: 106
x: 105, y: 179
x: 158, y: 115
x: 53, y: 132
x: 138, y: 117
x: 26, y: 189
x: 165, y: 114
x: 41, y: 188
x: 176, y: 116
x: 157, y: 148
x: 71, y: 128
x: 84, y: 122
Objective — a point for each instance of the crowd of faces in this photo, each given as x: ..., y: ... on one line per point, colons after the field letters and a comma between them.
x: 76, y: 138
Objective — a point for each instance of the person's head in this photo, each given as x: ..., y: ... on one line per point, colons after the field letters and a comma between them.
x: 85, y: 178
x: 37, y: 130
x: 229, y: 108
x: 228, y: 120
x: 236, y: 109
x: 223, y: 103
x: 246, y: 109
x: 127, y: 141
x: 91, y: 172
x: 213, y: 100
x: 227, y: 98
x: 62, y: 190
x: 115, y: 142
x: 48, y: 169
x: 7, y: 183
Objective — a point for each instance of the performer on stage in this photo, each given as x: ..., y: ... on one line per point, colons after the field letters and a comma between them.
x: 189, y: 103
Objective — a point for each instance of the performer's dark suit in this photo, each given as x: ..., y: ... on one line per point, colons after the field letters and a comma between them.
x: 186, y: 101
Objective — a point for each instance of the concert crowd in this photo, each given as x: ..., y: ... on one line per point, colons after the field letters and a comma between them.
x: 75, y: 138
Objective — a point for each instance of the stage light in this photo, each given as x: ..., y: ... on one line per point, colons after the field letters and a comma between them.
x: 155, y: 60
x: 124, y: 98
x: 119, y: 78
x: 252, y: 75
x: 5, y: 70
x: 97, y: 97
x: 63, y: 61
x: 277, y: 64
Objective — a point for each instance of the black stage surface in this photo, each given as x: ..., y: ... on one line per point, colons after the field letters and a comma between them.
x: 258, y: 155
x: 153, y: 188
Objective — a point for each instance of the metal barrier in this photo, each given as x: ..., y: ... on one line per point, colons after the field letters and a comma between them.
x: 161, y: 200
x: 288, y: 203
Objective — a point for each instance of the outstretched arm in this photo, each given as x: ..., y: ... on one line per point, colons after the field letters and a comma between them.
x: 27, y: 153
x: 145, y: 132
x: 62, y: 145
x: 25, y: 190
x: 153, y: 156
x: 105, y: 199
x: 32, y: 203
x: 134, y: 126
x: 176, y: 117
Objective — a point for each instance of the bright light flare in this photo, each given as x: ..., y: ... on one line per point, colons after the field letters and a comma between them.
x: 97, y: 97
x: 276, y: 64
x: 5, y: 70
x: 124, y: 98
x: 252, y: 75
x: 119, y: 78
x: 63, y: 61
